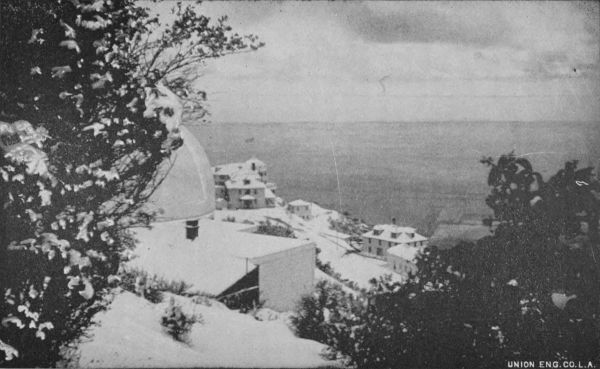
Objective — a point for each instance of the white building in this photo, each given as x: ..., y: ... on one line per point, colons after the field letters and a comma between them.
x: 248, y: 180
x: 301, y: 209
x: 398, y: 245
x: 221, y: 259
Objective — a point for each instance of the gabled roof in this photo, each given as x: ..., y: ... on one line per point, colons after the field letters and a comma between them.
x: 187, y: 191
x: 405, y: 252
x: 386, y: 231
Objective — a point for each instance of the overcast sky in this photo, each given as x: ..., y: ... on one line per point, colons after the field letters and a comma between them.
x: 407, y: 61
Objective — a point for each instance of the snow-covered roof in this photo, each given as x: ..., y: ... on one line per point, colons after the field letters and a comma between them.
x: 299, y: 203
x: 269, y: 194
x: 404, y: 251
x: 188, y: 190
x: 394, y: 233
x: 256, y: 162
x: 245, y: 182
x: 232, y: 169
x: 220, y: 255
x: 227, y: 169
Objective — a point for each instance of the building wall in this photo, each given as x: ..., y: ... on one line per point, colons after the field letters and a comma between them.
x: 236, y: 203
x: 374, y: 244
x: 301, y: 211
x: 286, y: 277
x: 401, y: 265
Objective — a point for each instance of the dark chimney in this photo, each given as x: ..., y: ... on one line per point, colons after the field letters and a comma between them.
x: 394, y: 221
x: 191, y: 229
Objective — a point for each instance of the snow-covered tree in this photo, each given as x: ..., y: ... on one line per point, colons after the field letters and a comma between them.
x: 531, y: 291
x: 91, y: 96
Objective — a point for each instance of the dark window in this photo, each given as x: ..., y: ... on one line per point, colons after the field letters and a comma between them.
x: 379, y: 242
x: 379, y: 252
x: 394, y: 235
x: 370, y: 250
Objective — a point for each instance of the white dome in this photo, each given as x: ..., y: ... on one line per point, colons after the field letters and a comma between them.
x: 188, y: 191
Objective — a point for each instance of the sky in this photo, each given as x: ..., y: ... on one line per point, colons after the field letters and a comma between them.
x: 407, y: 61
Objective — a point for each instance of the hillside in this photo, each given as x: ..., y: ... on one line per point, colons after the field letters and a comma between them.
x: 342, y: 257
x: 129, y: 334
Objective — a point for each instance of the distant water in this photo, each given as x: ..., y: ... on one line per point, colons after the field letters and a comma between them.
x: 402, y: 170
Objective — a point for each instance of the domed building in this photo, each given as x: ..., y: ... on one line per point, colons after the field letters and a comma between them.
x: 220, y: 259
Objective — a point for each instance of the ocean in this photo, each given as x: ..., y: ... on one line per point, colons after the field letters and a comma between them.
x: 408, y: 170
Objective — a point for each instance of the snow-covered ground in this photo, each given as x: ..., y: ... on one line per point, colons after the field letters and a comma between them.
x: 129, y: 334
x: 335, y: 251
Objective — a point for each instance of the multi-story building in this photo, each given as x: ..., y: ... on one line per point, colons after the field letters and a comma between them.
x: 243, y: 185
x: 398, y: 245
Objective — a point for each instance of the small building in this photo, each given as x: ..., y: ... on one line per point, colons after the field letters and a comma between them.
x: 401, y: 258
x: 227, y: 261
x: 382, y: 237
x: 301, y: 209
x: 249, y: 180
x: 221, y: 259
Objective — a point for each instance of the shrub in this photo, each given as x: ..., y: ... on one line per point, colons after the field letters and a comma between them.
x: 271, y: 229
x: 176, y: 323
x: 151, y: 287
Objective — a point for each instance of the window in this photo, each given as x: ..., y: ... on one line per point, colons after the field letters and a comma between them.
x: 240, y: 192
x: 377, y: 232
x: 390, y: 244
x: 246, y: 181
x: 379, y: 242
x: 394, y: 235
x: 379, y: 252
x: 370, y: 250
x: 255, y: 192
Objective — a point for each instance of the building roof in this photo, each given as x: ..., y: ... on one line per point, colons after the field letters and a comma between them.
x: 269, y: 194
x: 299, y: 203
x: 405, y: 252
x: 258, y: 163
x: 238, y: 182
x: 403, y: 234
x: 221, y: 254
x: 227, y: 169
x: 232, y: 169
x: 188, y: 189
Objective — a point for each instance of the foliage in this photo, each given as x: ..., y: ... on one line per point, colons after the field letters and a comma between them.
x: 271, y: 229
x: 352, y: 227
x: 177, y: 323
x: 529, y: 292
x: 326, y: 316
x: 91, y: 96
x: 151, y: 287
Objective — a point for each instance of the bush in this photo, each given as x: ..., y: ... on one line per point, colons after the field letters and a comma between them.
x: 86, y: 123
x: 178, y: 324
x: 151, y: 287
x: 271, y: 229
